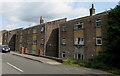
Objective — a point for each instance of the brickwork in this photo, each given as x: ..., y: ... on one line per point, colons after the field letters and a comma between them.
x: 89, y: 32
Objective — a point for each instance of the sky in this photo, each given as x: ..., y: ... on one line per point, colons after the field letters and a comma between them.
x: 23, y: 14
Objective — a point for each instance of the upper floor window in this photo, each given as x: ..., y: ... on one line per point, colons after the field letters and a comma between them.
x: 64, y: 28
x: 98, y: 41
x: 5, y: 40
x: 34, y: 37
x: 5, y: 34
x: 78, y: 25
x: 42, y: 41
x: 79, y: 41
x: 34, y: 42
x: 28, y: 31
x: 34, y: 30
x: 63, y: 41
x: 21, y: 39
x: 98, y: 23
x: 42, y: 29
x: 21, y: 32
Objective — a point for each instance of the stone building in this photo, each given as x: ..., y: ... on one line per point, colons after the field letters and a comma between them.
x: 9, y: 38
x: 1, y: 34
x: 82, y: 38
x: 41, y: 39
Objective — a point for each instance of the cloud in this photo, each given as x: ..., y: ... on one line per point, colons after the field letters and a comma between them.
x: 14, y: 19
x: 29, y: 12
x: 9, y: 27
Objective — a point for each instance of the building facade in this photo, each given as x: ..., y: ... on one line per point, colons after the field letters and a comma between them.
x: 82, y: 38
x: 40, y: 39
x: 9, y: 38
x: 1, y: 35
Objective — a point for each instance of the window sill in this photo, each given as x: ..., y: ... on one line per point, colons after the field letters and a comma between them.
x: 98, y: 44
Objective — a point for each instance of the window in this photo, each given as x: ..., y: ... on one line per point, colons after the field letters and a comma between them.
x: 28, y: 31
x: 33, y: 47
x: 64, y: 28
x: 5, y: 40
x: 63, y: 54
x: 98, y: 23
x: 42, y: 41
x: 78, y: 25
x: 5, y: 34
x: 21, y: 33
x: 34, y: 30
x: 77, y: 56
x: 42, y: 29
x: 34, y: 42
x: 34, y: 39
x: 98, y: 41
x: 79, y: 41
x: 63, y: 41
x: 21, y: 38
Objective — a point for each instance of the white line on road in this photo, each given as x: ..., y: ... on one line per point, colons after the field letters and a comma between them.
x: 15, y: 67
x: 0, y: 59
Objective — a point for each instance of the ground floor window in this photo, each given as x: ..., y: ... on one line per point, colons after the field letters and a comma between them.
x: 77, y: 56
x: 63, y: 54
x: 34, y: 49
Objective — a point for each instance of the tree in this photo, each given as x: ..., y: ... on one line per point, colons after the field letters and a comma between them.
x: 113, y: 38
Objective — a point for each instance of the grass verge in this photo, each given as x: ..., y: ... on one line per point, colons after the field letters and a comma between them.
x: 92, y: 64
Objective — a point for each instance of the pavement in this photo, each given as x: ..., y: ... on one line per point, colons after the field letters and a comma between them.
x: 35, y: 58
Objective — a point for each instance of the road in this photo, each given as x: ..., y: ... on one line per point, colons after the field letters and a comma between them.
x: 12, y: 64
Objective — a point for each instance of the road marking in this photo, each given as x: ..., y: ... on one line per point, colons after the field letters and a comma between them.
x: 0, y: 59
x: 15, y: 67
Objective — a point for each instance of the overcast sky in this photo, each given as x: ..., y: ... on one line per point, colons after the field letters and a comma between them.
x: 25, y: 14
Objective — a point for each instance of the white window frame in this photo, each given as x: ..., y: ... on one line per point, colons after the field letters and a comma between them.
x: 34, y: 30
x: 76, y: 56
x: 64, y: 41
x: 42, y: 41
x: 5, y: 40
x: 42, y: 29
x: 64, y: 28
x: 98, y: 20
x: 98, y: 38
x: 34, y: 42
x: 78, y: 24
x: 63, y: 53
x: 5, y: 34
x: 81, y: 42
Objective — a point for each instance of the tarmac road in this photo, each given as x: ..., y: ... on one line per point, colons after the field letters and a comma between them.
x: 12, y: 64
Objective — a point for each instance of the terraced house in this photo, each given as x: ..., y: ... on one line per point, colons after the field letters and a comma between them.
x: 41, y: 39
x: 82, y: 38
x: 9, y: 38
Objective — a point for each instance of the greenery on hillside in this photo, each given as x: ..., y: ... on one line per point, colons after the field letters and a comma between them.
x: 113, y: 38
x: 109, y: 59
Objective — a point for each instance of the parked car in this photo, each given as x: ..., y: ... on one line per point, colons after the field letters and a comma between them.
x: 4, y: 48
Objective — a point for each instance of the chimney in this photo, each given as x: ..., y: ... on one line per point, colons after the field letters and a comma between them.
x: 41, y: 20
x: 92, y: 10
